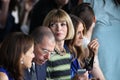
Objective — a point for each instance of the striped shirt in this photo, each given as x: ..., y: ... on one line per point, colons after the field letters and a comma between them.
x: 59, y: 67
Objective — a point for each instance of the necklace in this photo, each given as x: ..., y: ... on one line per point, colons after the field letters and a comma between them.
x: 61, y: 52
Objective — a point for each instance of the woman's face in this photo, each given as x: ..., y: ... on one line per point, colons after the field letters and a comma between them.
x: 59, y: 29
x: 27, y: 57
x: 79, y: 35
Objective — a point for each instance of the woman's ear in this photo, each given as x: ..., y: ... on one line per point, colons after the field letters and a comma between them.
x: 22, y: 59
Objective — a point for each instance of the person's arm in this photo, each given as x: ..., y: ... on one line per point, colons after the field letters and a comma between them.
x: 93, y: 46
x: 3, y: 76
x: 97, y: 72
x: 4, y: 13
x: 27, y: 8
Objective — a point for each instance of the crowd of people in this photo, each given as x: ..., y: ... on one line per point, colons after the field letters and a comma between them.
x: 59, y: 39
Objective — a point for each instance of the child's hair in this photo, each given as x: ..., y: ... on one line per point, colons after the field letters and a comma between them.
x: 86, y: 13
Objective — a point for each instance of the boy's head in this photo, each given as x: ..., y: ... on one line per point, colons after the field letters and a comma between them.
x: 86, y: 13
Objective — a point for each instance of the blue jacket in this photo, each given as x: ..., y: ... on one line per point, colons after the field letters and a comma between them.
x: 75, y: 66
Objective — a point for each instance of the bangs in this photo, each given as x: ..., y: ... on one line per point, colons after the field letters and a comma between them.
x: 59, y: 15
x: 58, y: 18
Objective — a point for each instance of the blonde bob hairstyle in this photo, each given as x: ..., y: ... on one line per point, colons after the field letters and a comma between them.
x: 59, y: 15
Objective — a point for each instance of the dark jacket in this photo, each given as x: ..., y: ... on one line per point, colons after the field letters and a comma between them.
x: 41, y: 9
x: 40, y: 72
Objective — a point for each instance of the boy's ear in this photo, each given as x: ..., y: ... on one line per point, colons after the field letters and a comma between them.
x: 80, y: 1
x: 94, y: 19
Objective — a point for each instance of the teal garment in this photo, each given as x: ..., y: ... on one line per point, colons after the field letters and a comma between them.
x: 107, y: 30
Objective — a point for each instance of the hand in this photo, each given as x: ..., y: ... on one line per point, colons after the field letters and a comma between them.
x: 94, y: 45
x: 81, y: 77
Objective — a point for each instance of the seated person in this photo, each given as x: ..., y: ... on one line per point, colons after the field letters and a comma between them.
x: 16, y: 54
x: 82, y: 58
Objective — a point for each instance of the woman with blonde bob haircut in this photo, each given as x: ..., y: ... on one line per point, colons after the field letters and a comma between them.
x: 59, y: 15
x: 62, y: 27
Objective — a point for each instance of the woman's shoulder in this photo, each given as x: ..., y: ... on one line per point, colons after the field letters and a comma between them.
x: 3, y: 70
x: 3, y: 74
